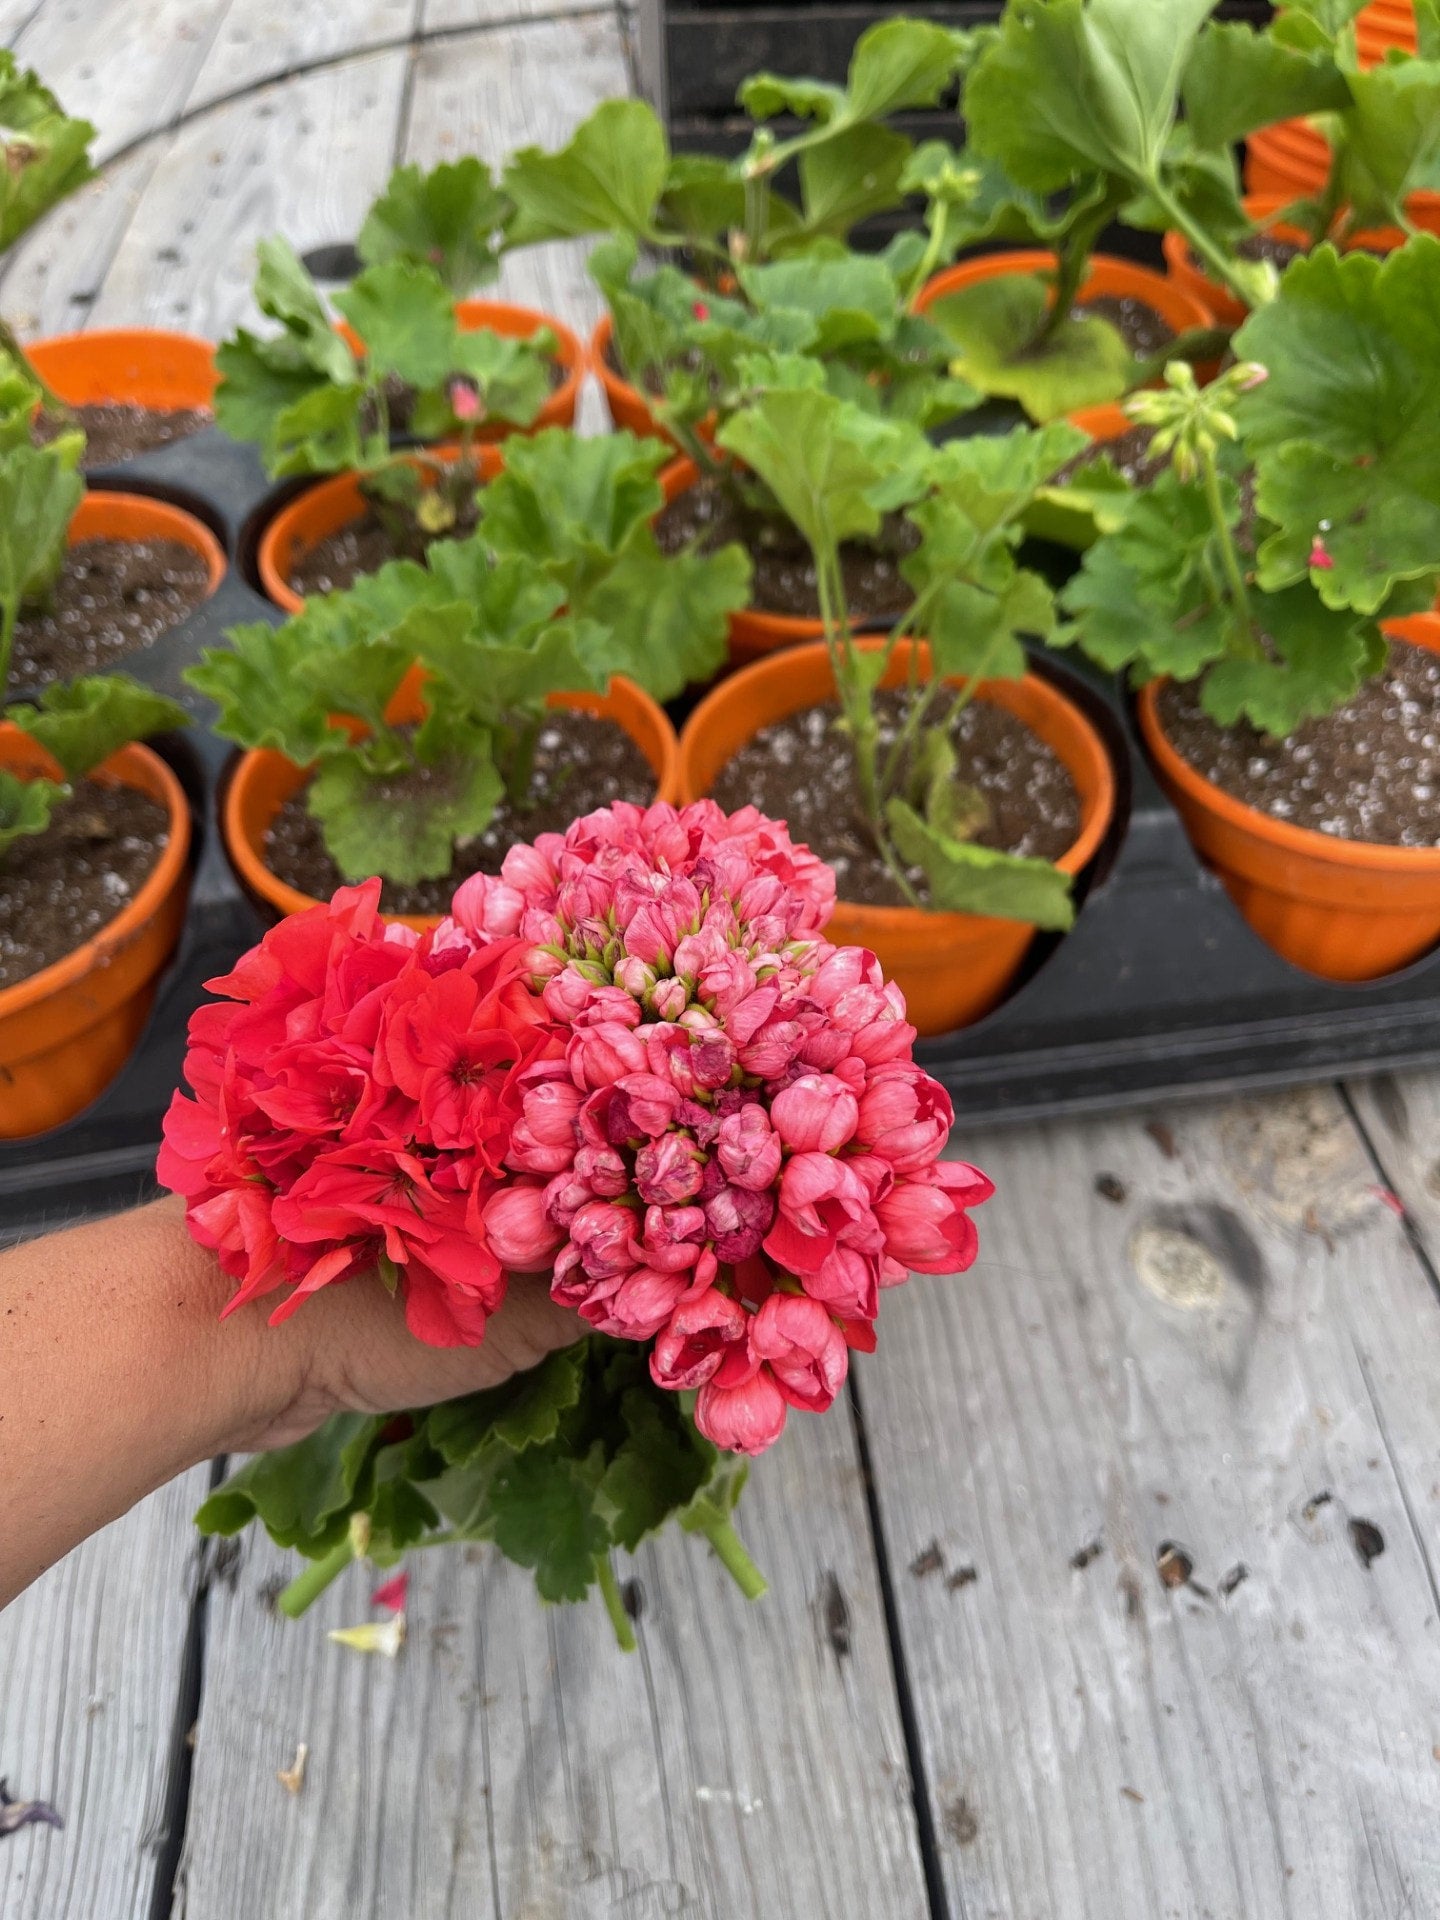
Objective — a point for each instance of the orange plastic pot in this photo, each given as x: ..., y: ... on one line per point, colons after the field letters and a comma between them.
x: 264, y: 780
x: 324, y: 509
x: 951, y: 967
x: 102, y: 515
x: 67, y: 1031
x: 1292, y: 160
x: 628, y: 406
x: 1177, y: 306
x: 1342, y: 909
x: 1379, y: 27
x: 141, y: 366
x: 1261, y: 208
x: 516, y: 323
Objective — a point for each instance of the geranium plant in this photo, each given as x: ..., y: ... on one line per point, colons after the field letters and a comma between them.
x: 1072, y: 111
x: 631, y: 1062
x: 836, y: 471
x: 39, y: 492
x: 1301, y: 506
x: 313, y: 403
x: 562, y: 589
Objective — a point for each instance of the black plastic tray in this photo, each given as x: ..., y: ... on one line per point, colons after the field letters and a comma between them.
x: 1161, y: 987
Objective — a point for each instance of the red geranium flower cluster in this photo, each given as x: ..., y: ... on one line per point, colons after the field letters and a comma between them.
x: 631, y: 1060
x: 735, y: 1151
x: 355, y: 1096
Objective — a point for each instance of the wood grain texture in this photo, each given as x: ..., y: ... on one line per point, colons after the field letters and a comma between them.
x: 1400, y: 1113
x: 1238, y: 1360
x: 515, y: 86
x: 130, y: 69
x: 455, y: 16
x: 262, y: 39
x: 90, y: 1667
x: 52, y: 278
x: 304, y: 159
x: 747, y: 1764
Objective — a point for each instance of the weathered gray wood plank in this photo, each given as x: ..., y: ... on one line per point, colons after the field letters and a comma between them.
x: 262, y: 39
x: 451, y: 16
x: 747, y: 1764
x: 90, y: 1666
x: 510, y: 87
x: 128, y: 68
x: 304, y: 159
x: 1238, y: 1357
x: 53, y: 277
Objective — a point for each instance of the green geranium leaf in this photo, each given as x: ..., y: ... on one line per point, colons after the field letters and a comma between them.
x: 895, y: 65
x: 820, y: 457
x: 848, y: 301
x: 662, y: 620
x: 1341, y: 429
x: 996, y: 326
x: 657, y: 1471
x: 849, y: 178
x: 525, y: 1412
x: 1390, y: 137
x: 405, y: 316
x: 397, y: 825
x: 513, y: 376
x: 323, y: 431
x: 570, y: 505
x: 1322, y: 657
x: 80, y: 723
x: 544, y: 1508
x: 607, y: 179
x: 253, y: 682
x: 285, y: 292
x: 304, y: 1494
x: 964, y: 878
x: 46, y: 152
x: 1238, y: 79
x: 977, y: 628
x: 1070, y: 87
x: 39, y: 492
x: 449, y: 219
x: 496, y: 680
x: 25, y: 807
x: 993, y: 477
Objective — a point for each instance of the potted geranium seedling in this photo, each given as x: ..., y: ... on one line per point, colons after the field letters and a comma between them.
x: 720, y: 221
x: 1079, y: 99
x: 498, y: 693
x: 318, y: 399
x: 94, y: 832
x: 956, y: 793
x: 1246, y: 594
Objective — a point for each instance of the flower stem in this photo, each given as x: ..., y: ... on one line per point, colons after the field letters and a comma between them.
x: 614, y: 1603
x: 730, y: 1550
x: 306, y: 1588
x: 1229, y: 558
x: 1201, y: 245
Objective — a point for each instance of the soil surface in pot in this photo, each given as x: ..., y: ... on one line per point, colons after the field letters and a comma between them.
x: 784, y: 579
x: 116, y: 431
x: 112, y: 598
x: 582, y: 762
x: 337, y: 560
x: 1369, y: 771
x: 60, y: 887
x: 1142, y: 329
x: 799, y: 769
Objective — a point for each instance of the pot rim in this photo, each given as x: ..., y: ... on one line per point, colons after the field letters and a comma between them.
x: 170, y: 519
x: 116, y: 933
x: 1157, y: 288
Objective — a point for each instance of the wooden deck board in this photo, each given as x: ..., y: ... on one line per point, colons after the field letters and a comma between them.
x: 747, y: 1764
x: 90, y: 1675
x: 1260, y: 1740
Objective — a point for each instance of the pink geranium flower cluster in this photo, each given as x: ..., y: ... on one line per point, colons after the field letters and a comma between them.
x: 355, y: 1095
x: 734, y: 1151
